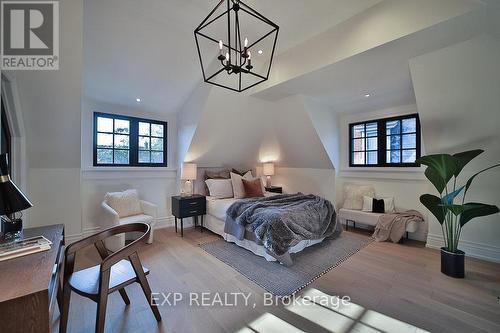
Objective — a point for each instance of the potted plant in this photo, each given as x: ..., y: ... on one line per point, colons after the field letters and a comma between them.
x: 450, y: 208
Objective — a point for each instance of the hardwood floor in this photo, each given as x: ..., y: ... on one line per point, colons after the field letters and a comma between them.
x: 386, y: 280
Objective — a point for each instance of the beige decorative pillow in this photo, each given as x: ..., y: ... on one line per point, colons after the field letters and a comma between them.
x: 238, y: 189
x: 125, y: 203
x: 353, y: 195
x: 220, y: 188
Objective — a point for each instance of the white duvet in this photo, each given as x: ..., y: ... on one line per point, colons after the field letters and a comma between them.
x: 216, y: 211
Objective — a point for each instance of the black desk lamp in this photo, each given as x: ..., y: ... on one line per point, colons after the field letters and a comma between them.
x: 12, y: 201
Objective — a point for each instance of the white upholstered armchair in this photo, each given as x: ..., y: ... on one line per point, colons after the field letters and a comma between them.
x: 126, y: 207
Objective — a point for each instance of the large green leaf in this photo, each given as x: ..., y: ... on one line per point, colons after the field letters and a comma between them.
x: 449, y: 198
x: 474, y: 209
x: 464, y: 158
x: 435, y: 179
x: 444, y: 164
x: 455, y: 209
x: 469, y: 182
x: 433, y: 204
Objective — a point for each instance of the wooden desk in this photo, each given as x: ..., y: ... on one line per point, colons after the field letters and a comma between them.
x: 29, y: 286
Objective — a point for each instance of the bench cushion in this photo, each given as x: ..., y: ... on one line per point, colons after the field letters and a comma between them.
x: 367, y: 218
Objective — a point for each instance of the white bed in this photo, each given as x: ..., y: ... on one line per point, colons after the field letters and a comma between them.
x: 215, y: 219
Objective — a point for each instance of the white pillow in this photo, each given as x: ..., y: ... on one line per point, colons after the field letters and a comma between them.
x: 368, y: 204
x: 220, y: 188
x: 353, y: 195
x: 238, y: 189
x: 389, y: 205
x: 125, y: 203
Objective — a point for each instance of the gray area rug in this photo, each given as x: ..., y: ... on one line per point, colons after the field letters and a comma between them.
x: 280, y: 280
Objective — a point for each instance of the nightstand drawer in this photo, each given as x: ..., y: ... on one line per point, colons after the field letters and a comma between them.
x: 193, y: 212
x: 189, y: 206
x: 192, y: 203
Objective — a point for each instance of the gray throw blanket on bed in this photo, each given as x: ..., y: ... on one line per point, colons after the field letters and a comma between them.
x: 279, y: 222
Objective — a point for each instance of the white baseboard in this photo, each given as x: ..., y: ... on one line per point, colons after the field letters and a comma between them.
x: 418, y: 235
x: 161, y: 222
x: 169, y: 221
x: 164, y: 222
x: 85, y: 233
x: 472, y: 249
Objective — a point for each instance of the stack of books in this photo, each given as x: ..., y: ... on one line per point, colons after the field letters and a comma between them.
x: 22, y: 247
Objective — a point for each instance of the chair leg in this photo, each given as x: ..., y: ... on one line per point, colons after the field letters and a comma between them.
x: 102, y: 302
x: 63, y: 320
x: 124, y: 296
x: 136, y: 264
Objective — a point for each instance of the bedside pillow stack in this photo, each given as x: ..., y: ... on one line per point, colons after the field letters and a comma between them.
x: 220, y: 187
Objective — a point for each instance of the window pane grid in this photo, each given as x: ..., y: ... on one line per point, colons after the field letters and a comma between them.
x: 151, y: 146
x: 385, y: 142
x: 113, y: 141
x: 363, y: 154
x: 120, y: 140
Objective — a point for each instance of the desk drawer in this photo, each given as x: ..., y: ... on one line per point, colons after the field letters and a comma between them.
x: 54, y: 283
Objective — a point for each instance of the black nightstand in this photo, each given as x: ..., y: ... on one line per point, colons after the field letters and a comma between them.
x: 274, y: 189
x: 189, y: 206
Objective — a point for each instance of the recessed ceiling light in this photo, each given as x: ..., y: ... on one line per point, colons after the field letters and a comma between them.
x: 367, y: 95
x: 138, y: 100
x: 260, y: 51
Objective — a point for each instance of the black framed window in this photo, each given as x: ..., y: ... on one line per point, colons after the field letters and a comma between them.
x: 387, y: 142
x: 129, y: 141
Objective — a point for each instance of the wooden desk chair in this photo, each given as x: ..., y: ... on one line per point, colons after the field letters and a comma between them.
x: 114, y: 273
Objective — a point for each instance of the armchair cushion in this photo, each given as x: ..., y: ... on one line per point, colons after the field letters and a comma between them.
x: 149, y: 209
x: 141, y: 218
x: 125, y: 203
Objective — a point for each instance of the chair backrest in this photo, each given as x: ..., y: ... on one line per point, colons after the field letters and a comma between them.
x: 125, y: 203
x: 115, y: 230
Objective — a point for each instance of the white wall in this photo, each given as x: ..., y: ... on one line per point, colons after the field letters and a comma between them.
x: 326, y: 124
x: 239, y: 130
x: 404, y: 184
x: 50, y: 103
x: 317, y: 181
x: 156, y: 185
x: 236, y: 129
x: 457, y: 90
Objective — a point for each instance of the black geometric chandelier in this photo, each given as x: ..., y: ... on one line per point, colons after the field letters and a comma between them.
x: 236, y: 46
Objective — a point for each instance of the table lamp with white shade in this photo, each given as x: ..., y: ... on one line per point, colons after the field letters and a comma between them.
x: 268, y: 171
x: 189, y: 173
